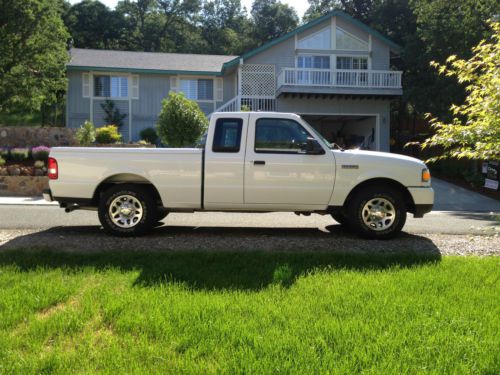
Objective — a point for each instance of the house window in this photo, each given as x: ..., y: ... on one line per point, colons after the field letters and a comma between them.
x: 198, y: 89
x: 308, y: 77
x: 346, y: 41
x: 319, y: 40
x: 110, y: 86
x: 313, y: 62
x: 351, y: 62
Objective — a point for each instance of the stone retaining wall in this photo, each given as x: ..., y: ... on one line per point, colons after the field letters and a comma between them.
x: 23, y: 185
x: 24, y: 136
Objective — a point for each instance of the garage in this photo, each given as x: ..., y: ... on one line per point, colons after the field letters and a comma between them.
x: 348, y: 131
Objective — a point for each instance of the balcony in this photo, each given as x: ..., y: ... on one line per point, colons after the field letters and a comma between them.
x: 339, y: 82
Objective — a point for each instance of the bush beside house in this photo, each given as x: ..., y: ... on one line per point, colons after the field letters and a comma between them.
x: 181, y: 121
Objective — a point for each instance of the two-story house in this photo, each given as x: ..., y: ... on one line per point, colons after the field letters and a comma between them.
x: 333, y: 71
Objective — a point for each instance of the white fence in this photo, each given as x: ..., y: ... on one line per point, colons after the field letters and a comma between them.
x: 340, y: 78
x: 247, y: 103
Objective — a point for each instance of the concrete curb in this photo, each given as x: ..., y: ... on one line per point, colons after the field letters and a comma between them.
x: 25, y: 201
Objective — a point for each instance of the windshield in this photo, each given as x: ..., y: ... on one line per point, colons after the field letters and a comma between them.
x: 321, y: 138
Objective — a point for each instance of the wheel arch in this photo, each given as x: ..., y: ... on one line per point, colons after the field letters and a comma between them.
x: 382, y: 181
x: 125, y: 178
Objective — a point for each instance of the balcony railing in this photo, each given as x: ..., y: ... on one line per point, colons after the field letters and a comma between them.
x: 340, y: 78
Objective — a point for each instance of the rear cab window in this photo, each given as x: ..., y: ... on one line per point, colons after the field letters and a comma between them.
x: 227, y: 135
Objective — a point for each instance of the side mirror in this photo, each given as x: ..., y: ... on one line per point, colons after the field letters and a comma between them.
x: 313, y: 147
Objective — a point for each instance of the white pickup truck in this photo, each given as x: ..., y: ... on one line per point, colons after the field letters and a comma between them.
x: 250, y: 162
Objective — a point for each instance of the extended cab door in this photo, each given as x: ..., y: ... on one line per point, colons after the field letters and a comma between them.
x: 279, y: 174
x: 224, y: 159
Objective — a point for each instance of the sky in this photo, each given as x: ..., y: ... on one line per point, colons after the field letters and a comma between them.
x: 299, y: 5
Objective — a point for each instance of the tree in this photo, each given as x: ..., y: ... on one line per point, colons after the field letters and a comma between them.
x: 181, y: 121
x: 271, y: 19
x: 94, y: 25
x: 32, y: 54
x: 112, y: 113
x: 474, y: 131
x: 443, y: 28
x: 162, y: 25
x: 225, y: 27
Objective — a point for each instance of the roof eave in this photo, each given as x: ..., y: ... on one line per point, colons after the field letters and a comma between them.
x: 140, y: 70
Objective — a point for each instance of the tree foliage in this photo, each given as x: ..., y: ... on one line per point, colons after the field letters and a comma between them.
x: 181, y: 121
x: 272, y: 19
x: 112, y: 114
x: 32, y: 54
x: 85, y: 135
x: 107, y: 134
x: 474, y: 131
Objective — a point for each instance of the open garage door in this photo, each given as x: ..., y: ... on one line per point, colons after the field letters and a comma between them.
x: 348, y: 131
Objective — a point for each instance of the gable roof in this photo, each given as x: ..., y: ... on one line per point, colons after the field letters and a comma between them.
x: 308, y: 25
x: 152, y: 62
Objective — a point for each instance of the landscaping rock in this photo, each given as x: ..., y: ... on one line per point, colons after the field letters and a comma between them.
x: 14, y: 171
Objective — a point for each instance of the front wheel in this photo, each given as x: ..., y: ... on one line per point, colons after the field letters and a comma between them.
x: 127, y: 210
x: 377, y: 212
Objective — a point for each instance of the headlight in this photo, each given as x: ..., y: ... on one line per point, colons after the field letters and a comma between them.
x: 426, y: 175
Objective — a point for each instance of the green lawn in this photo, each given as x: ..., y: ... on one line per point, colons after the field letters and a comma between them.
x: 247, y: 312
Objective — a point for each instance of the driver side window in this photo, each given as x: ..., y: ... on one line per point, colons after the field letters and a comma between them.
x: 275, y: 135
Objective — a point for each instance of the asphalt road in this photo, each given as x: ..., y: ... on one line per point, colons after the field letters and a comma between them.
x: 46, y: 217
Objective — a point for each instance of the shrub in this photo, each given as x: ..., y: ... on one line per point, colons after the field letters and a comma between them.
x: 39, y: 164
x: 19, y: 154
x: 107, y: 134
x: 86, y: 134
x: 40, y: 153
x: 2, y: 161
x: 4, y: 153
x: 149, y: 135
x: 181, y: 121
x: 113, y: 115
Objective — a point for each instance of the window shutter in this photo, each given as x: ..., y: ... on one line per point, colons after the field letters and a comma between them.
x: 86, y: 85
x: 135, y: 86
x: 219, y: 89
x: 174, y: 84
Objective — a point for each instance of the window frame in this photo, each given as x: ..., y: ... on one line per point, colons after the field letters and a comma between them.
x: 232, y: 150
x: 299, y: 152
x: 110, y: 75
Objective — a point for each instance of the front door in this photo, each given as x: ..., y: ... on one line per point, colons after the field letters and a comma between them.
x: 278, y: 173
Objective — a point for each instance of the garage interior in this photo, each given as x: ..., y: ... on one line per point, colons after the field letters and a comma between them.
x: 349, y: 132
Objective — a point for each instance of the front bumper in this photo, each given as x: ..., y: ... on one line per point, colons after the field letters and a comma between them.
x: 423, y: 198
x: 47, y: 195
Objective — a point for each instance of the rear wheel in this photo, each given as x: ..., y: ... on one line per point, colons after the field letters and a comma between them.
x: 127, y: 210
x: 377, y: 212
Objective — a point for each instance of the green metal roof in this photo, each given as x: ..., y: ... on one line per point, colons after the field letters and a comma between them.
x: 308, y: 25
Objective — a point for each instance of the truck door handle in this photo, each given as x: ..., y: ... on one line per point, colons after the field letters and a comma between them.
x: 259, y: 162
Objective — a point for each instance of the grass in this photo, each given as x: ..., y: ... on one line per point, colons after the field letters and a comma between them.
x: 247, y: 312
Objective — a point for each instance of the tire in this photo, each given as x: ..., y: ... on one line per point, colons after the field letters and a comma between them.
x: 127, y: 210
x: 377, y: 212
x: 340, y: 218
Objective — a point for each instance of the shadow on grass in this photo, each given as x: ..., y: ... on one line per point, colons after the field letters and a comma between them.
x: 211, y: 266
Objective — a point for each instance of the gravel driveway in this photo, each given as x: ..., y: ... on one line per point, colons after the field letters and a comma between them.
x: 332, y: 238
